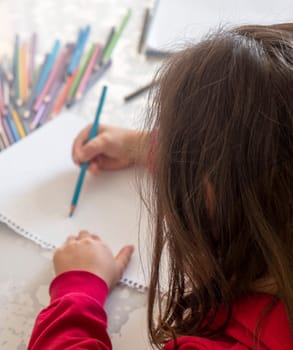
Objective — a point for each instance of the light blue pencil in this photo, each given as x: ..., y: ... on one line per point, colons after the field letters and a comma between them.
x: 74, y: 53
x: 12, y: 126
x: 84, y: 166
x: 79, y: 50
x: 47, y: 69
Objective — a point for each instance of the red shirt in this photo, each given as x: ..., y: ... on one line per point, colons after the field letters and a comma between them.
x: 76, y: 319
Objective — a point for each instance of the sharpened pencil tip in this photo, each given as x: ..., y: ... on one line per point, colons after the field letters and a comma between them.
x: 72, y: 209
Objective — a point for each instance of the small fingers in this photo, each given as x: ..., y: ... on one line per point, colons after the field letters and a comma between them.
x: 94, y: 168
x: 91, y: 149
x: 83, y: 234
x: 95, y: 237
x: 70, y: 239
x: 79, y: 141
x: 123, y: 258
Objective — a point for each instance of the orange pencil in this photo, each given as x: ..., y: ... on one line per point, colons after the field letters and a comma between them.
x: 63, y: 96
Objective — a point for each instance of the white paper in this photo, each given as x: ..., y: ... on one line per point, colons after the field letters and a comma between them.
x: 37, y: 180
x: 179, y: 22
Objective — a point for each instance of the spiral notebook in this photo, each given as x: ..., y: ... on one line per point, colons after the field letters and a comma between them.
x: 37, y: 180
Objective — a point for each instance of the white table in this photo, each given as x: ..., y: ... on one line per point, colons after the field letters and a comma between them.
x: 25, y: 268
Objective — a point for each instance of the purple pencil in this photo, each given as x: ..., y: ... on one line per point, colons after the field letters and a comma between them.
x: 38, y: 117
x: 53, y: 95
x: 6, y: 93
x: 7, y: 130
x: 29, y: 105
x: 55, y: 72
x: 46, y: 108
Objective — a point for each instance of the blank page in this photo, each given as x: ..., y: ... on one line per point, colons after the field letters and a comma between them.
x: 37, y: 180
x: 176, y: 23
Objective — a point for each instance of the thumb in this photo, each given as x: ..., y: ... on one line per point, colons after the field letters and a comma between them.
x: 92, y: 149
x: 122, y: 259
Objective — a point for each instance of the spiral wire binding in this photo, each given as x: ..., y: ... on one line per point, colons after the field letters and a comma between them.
x: 125, y: 281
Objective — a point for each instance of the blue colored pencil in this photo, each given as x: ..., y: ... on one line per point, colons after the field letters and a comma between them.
x: 85, y: 165
x: 29, y: 105
x: 79, y: 50
x: 15, y: 67
x: 74, y: 53
x: 7, y: 130
x: 47, y: 69
x: 12, y: 126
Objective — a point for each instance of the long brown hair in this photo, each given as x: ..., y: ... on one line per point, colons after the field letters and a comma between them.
x: 222, y: 178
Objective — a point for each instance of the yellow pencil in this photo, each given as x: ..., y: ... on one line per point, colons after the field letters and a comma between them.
x: 18, y: 123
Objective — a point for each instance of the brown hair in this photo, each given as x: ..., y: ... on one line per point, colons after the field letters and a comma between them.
x: 222, y: 178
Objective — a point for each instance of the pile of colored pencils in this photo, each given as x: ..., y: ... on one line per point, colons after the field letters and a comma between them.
x: 31, y: 95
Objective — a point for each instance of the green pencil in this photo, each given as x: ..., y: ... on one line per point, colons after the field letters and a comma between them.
x: 116, y: 36
x: 80, y: 74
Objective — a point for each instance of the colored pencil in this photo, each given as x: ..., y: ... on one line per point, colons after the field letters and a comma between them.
x: 87, y: 74
x: 49, y: 106
x: 47, y: 68
x: 72, y: 60
x: 144, y: 29
x: 61, y: 72
x: 93, y: 80
x: 33, y: 49
x: 29, y: 105
x: 6, y: 72
x: 116, y: 36
x: 18, y: 94
x: 84, y: 166
x: 20, y: 68
x: 12, y: 126
x: 5, y: 141
x: 95, y: 77
x: 63, y: 96
x: 7, y: 130
x: 80, y: 73
x: 2, y: 104
x: 18, y: 123
x: 38, y: 117
x: 16, y: 68
x: 59, y: 64
x: 24, y: 72
x: 79, y: 50
x: 6, y: 93
x: 2, y: 146
x: 109, y: 38
x: 139, y: 91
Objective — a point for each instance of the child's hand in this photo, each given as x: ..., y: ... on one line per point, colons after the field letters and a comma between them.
x: 87, y: 252
x: 112, y: 149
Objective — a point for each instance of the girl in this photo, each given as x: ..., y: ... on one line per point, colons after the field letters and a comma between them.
x: 222, y: 167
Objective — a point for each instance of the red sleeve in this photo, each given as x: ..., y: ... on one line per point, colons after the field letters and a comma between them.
x: 197, y: 343
x: 75, y: 318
